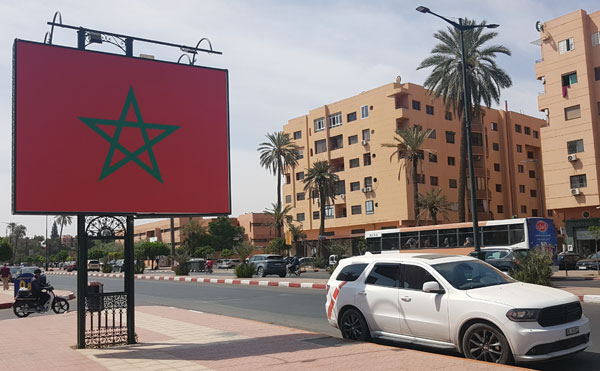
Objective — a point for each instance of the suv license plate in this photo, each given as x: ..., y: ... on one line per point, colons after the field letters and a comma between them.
x: 581, y: 267
x: 572, y: 330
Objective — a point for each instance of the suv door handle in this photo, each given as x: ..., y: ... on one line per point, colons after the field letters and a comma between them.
x: 406, y: 298
x: 362, y: 293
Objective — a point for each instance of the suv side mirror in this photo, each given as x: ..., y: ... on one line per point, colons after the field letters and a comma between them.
x: 433, y: 287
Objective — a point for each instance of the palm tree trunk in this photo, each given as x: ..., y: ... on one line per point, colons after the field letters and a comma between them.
x: 434, y: 217
x: 322, y: 226
x: 415, y: 190
x: 462, y: 173
x: 279, y: 196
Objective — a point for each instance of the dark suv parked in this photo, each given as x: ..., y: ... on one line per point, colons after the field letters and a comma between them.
x: 266, y: 264
x: 505, y: 259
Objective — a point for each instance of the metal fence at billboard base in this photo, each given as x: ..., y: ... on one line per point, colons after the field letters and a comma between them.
x: 106, y: 315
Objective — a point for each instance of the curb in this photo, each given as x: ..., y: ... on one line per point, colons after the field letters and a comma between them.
x: 227, y: 281
x: 591, y: 299
x: 69, y: 296
x: 575, y: 279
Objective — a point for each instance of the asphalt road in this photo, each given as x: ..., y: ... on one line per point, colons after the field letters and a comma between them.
x: 291, y: 307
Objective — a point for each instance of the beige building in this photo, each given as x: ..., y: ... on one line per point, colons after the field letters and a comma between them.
x: 569, y: 72
x: 374, y: 191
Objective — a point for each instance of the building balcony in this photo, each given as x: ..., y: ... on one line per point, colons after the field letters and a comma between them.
x: 482, y: 194
x: 477, y: 150
x: 476, y: 127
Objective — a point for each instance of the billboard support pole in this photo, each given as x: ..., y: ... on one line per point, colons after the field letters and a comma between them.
x: 129, y: 282
x: 82, y: 280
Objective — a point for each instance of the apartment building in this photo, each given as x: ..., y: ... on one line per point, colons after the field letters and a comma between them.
x: 569, y: 73
x: 374, y: 191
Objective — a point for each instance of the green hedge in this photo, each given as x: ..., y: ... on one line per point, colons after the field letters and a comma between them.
x: 245, y: 270
x: 535, y: 268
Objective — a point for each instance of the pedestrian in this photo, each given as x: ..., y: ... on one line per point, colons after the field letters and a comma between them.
x: 5, y: 274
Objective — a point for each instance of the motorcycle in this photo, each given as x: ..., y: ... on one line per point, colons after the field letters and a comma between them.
x: 293, y: 270
x: 26, y: 303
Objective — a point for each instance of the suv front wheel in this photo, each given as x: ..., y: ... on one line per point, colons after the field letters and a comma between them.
x: 260, y: 272
x: 486, y: 343
x: 353, y: 326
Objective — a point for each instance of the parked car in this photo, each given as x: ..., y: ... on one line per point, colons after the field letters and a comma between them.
x: 93, y: 265
x: 504, y: 258
x: 266, y: 264
x: 307, y: 262
x: 23, y: 270
x: 453, y: 302
x: 568, y: 260
x: 71, y: 267
x: 333, y: 259
x: 590, y: 262
x: 14, y: 271
x: 118, y: 265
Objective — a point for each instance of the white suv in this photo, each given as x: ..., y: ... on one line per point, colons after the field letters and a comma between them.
x: 453, y: 302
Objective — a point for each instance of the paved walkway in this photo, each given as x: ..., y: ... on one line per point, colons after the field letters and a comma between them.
x: 178, y: 339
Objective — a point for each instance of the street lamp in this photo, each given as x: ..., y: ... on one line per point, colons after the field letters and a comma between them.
x: 462, y: 27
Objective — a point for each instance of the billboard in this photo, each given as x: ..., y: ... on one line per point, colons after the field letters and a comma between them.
x: 542, y: 235
x: 97, y: 133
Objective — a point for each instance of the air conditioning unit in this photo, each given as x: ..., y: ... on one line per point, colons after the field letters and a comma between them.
x: 572, y: 157
x: 575, y: 191
x: 369, y: 189
x: 364, y: 142
x: 342, y: 196
x: 364, y: 190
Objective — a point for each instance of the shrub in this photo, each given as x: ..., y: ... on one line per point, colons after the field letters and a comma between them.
x: 107, y: 268
x: 139, y: 267
x: 244, y: 270
x: 320, y: 263
x: 535, y: 268
x: 182, y: 268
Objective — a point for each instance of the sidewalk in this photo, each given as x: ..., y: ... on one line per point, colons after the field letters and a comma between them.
x: 7, y: 297
x: 178, y: 339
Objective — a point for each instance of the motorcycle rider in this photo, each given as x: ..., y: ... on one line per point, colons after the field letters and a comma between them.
x: 37, y: 284
x: 294, y: 264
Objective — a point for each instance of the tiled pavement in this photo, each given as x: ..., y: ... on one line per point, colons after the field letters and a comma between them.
x: 178, y: 339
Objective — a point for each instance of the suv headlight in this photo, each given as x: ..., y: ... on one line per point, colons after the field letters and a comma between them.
x: 523, y: 315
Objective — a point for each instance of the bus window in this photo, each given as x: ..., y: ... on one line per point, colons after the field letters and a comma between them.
x: 374, y: 244
x: 448, y: 238
x: 428, y: 239
x: 409, y: 240
x: 496, y: 235
x: 390, y: 241
x: 517, y: 233
x: 465, y: 237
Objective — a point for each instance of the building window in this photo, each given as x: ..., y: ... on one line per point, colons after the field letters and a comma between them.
x: 335, y: 120
x: 316, y: 215
x: 500, y: 209
x: 329, y: 211
x: 429, y: 109
x: 354, y: 186
x: 519, y: 148
x: 416, y: 105
x: 288, y: 179
x: 597, y: 73
x: 432, y: 134
x: 495, y: 146
x: 336, y: 142
x: 353, y: 139
x: 300, y: 153
x: 527, y: 130
x: 521, y: 188
x: 364, y: 112
x: 494, y: 126
x: 450, y: 136
x: 297, y: 135
x: 433, y: 180
x: 451, y: 161
x: 452, y: 183
x: 300, y: 175
x: 340, y: 187
x: 288, y: 199
x: 320, y: 146
x: 498, y: 187
x: 367, y: 159
x: 300, y: 196
x: 530, y: 154
x: 566, y: 45
x: 421, y: 178
x: 320, y: 124
x: 354, y: 162
x: 496, y: 167
x: 578, y: 181
x: 369, y: 207
x: 596, y: 39
x: 532, y: 174
x: 536, y: 134
x: 366, y: 134
x: 300, y: 217
x: 550, y: 213
x: 533, y: 193
x: 368, y: 181
x: 476, y: 139
x: 356, y: 209
x: 448, y: 116
x: 520, y: 168
x: 432, y: 157
x: 534, y: 212
x: 573, y: 112
x: 569, y: 79
x: 517, y: 128
x: 351, y: 117
x: 575, y: 146
x: 524, y: 209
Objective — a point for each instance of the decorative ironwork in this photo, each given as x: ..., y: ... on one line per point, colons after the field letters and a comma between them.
x: 105, y: 227
x: 106, y: 315
x: 194, y: 51
x: 49, y: 34
x: 99, y: 38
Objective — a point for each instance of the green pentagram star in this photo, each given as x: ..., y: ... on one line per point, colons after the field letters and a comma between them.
x: 130, y: 101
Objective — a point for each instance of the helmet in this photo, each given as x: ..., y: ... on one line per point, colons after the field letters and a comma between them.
x: 37, y: 271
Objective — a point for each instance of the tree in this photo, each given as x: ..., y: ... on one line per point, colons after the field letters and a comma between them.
x: 226, y: 253
x: 17, y: 232
x: 194, y: 236
x: 320, y: 181
x: 204, y: 252
x: 6, y: 253
x: 54, y: 232
x: 595, y: 231
x: 224, y: 235
x: 434, y: 203
x: 278, y: 216
x: 62, y: 255
x: 276, y: 155
x: 275, y: 246
x: 97, y: 253
x: 484, y: 76
x: 62, y: 220
x: 152, y: 250
x: 297, y: 234
x: 408, y: 148
x: 244, y: 250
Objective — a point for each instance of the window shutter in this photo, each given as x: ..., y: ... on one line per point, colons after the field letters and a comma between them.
x: 562, y: 47
x: 596, y: 39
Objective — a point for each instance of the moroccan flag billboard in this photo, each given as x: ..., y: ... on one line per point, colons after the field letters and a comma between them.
x: 98, y: 133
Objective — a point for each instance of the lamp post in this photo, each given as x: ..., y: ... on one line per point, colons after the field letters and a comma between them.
x: 467, y: 108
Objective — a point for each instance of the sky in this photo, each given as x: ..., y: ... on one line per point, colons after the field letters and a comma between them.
x: 284, y: 59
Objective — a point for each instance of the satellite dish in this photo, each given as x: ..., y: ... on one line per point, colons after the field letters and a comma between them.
x: 539, y: 26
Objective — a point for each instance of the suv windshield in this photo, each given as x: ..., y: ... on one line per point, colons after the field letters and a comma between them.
x: 471, y: 274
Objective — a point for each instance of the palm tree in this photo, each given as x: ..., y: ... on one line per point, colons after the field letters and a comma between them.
x: 320, y: 182
x: 278, y: 216
x: 18, y: 231
x: 297, y: 233
x: 434, y: 203
x: 62, y: 220
x: 484, y: 76
x: 408, y: 148
x: 278, y: 154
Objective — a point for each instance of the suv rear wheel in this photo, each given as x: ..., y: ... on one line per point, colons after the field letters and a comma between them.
x: 260, y: 271
x: 486, y: 343
x: 353, y: 326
